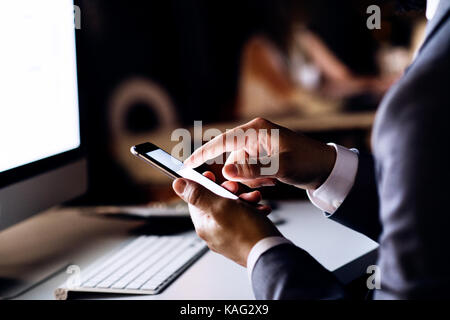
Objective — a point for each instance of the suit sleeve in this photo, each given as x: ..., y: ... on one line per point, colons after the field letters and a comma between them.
x: 287, y: 272
x: 360, y: 209
x: 413, y: 165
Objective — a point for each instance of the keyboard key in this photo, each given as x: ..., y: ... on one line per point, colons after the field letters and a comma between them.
x: 146, y: 264
x: 128, y: 266
x: 106, y: 268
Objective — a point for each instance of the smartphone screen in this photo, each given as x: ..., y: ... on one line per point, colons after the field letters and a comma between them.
x: 164, y: 159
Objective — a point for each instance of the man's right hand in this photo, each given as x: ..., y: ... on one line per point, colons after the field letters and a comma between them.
x: 302, y: 162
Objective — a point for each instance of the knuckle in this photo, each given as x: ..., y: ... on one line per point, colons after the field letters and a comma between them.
x: 259, y: 121
x: 201, y: 233
x: 193, y: 195
x: 243, y: 170
x: 252, y: 171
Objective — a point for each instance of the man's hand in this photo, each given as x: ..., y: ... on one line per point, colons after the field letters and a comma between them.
x: 229, y: 227
x: 303, y: 162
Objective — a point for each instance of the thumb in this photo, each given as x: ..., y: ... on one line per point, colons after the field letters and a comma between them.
x: 200, y: 197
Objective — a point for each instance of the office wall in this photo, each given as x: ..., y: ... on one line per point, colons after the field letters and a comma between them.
x: 183, y: 61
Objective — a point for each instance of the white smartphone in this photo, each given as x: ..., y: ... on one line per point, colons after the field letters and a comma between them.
x: 174, y: 168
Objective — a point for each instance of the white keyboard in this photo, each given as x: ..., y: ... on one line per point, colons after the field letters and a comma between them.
x: 144, y: 266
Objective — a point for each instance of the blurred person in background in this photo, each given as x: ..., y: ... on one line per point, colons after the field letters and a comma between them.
x: 325, y: 63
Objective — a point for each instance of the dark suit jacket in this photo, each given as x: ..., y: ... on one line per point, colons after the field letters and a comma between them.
x: 400, y: 193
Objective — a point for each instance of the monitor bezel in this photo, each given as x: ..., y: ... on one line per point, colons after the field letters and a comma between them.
x: 33, y: 169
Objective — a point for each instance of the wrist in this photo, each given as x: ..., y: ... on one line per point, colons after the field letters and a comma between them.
x: 330, y: 195
x: 250, y: 244
x: 261, y: 247
x: 326, y: 164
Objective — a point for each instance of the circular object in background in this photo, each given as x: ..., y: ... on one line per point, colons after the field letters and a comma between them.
x: 140, y: 111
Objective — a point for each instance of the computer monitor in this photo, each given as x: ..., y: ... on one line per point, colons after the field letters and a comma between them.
x: 41, y: 154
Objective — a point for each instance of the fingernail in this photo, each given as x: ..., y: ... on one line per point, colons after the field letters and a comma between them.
x: 179, y: 185
x: 231, y: 170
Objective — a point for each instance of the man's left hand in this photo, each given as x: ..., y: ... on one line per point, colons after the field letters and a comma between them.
x: 229, y: 227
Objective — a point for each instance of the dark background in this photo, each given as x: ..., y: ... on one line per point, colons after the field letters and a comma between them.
x: 192, y: 49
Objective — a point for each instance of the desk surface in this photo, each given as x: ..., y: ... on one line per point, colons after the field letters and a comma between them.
x: 71, y: 236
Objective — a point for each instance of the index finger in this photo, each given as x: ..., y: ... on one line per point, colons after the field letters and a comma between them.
x: 224, y: 142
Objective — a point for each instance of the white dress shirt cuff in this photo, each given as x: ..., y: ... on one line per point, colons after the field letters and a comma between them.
x: 259, y: 248
x: 330, y: 195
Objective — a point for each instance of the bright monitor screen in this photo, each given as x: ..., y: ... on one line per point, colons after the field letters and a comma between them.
x: 39, y: 115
